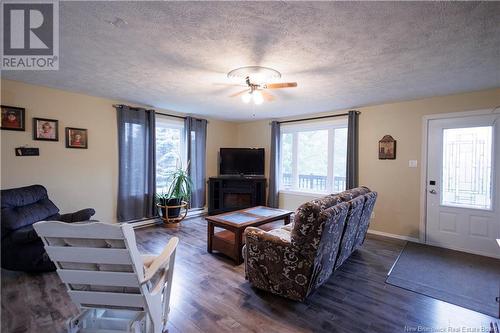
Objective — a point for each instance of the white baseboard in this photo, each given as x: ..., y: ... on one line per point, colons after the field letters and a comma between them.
x: 386, y: 234
x: 150, y: 222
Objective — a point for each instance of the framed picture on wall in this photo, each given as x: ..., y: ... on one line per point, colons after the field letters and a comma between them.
x: 13, y: 118
x: 387, y: 148
x: 76, y: 138
x: 45, y: 129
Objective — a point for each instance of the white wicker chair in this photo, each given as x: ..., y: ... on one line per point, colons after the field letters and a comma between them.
x: 116, y: 288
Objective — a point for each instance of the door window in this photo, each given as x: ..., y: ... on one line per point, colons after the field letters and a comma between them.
x: 467, y: 163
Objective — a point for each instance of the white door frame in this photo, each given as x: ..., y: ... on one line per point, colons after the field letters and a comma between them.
x: 423, y: 169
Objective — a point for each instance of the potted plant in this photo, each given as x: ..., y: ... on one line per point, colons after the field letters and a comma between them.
x: 178, y: 191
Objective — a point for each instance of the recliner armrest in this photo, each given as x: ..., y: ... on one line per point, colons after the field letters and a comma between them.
x: 276, y: 236
x: 81, y: 215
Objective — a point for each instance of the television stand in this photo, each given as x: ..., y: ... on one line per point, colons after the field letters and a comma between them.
x: 229, y: 193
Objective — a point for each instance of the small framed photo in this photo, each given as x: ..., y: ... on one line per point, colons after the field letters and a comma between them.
x: 387, y: 148
x: 45, y: 129
x: 76, y: 138
x: 13, y: 118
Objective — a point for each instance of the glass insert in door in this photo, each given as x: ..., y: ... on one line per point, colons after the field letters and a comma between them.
x: 467, y: 167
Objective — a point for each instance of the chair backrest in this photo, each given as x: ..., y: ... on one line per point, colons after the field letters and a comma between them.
x: 352, y: 222
x: 309, y: 222
x: 309, y: 225
x: 99, y: 263
x: 305, y: 233
x: 370, y: 199
x: 331, y: 233
x: 24, y: 206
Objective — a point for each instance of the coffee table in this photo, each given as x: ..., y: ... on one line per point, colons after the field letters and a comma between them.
x: 230, y: 241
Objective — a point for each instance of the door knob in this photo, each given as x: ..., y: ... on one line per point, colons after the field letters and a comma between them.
x: 433, y: 191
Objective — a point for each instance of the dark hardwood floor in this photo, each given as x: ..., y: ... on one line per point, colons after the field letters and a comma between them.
x: 210, y: 294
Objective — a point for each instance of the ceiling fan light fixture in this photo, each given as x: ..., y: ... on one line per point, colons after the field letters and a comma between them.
x: 257, y: 97
x: 256, y: 91
x: 246, y: 98
x: 257, y: 74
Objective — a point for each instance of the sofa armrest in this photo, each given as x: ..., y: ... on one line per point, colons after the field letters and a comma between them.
x: 277, y: 236
x: 265, y: 248
x: 81, y: 215
x: 274, y: 264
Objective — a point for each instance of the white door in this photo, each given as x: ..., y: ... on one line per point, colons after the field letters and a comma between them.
x: 463, y: 183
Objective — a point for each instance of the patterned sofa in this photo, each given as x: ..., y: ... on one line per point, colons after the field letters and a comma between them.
x: 296, y: 259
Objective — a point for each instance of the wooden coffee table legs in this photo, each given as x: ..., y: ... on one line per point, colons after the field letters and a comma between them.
x: 229, y: 242
x: 210, y: 235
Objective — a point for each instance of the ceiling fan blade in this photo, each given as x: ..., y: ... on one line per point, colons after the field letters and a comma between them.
x: 239, y: 93
x: 280, y: 85
x: 267, y: 96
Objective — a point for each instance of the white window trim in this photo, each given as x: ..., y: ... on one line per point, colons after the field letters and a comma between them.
x: 329, y: 125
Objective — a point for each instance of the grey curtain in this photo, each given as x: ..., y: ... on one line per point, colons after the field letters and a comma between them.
x: 352, y: 150
x: 196, y: 142
x: 137, y: 163
x: 274, y: 167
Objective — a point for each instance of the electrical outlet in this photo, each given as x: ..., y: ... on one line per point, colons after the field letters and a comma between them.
x: 373, y: 215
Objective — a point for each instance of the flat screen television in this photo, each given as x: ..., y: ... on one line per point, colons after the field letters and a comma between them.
x: 241, y: 161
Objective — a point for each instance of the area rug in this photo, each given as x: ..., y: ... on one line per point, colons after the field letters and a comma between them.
x: 463, y: 279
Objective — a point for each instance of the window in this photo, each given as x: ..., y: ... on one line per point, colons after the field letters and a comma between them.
x: 314, y: 157
x: 170, y: 151
x: 467, y: 161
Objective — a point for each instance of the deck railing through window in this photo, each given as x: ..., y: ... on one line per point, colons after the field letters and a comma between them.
x: 313, y: 183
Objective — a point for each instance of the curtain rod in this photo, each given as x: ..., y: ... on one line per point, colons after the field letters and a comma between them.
x: 316, y: 118
x: 163, y: 114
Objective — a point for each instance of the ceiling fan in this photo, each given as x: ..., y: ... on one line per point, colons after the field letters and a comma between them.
x: 257, y: 92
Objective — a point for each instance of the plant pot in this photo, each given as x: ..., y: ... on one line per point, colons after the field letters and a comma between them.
x: 172, y: 212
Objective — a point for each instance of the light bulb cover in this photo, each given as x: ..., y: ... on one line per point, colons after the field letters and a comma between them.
x: 257, y: 97
x: 246, y: 98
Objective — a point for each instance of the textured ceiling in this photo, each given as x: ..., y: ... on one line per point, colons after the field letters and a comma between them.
x: 175, y: 55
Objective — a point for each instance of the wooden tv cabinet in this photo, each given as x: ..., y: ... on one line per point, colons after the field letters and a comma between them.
x: 228, y: 193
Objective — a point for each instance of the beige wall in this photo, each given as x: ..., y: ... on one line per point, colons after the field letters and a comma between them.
x: 220, y: 134
x: 77, y: 178
x: 88, y: 178
x: 397, y: 209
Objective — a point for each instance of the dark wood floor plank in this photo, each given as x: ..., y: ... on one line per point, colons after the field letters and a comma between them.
x: 210, y: 294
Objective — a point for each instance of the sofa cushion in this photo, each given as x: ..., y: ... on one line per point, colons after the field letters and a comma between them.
x: 309, y: 217
x: 24, y: 206
x: 281, y: 233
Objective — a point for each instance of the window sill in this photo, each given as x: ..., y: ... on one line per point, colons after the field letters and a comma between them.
x: 304, y: 193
